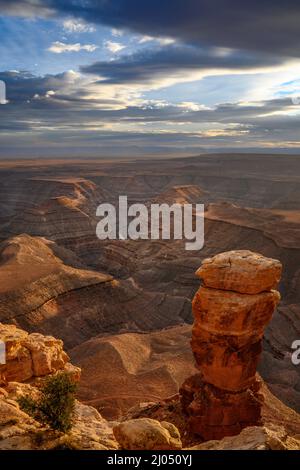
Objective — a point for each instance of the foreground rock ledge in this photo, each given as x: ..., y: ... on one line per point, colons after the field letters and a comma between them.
x: 29, y: 359
x: 230, y: 312
x: 254, y: 438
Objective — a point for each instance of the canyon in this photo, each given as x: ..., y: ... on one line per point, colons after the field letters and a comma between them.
x: 31, y: 360
x: 123, y: 307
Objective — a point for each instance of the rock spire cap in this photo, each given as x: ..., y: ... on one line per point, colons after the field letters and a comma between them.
x: 241, y: 271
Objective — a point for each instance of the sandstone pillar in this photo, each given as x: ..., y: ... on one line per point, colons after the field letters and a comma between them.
x: 231, y: 309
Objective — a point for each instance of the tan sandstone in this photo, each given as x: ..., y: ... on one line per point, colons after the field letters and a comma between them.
x: 31, y: 356
x: 147, y: 434
x: 241, y: 271
x: 254, y: 438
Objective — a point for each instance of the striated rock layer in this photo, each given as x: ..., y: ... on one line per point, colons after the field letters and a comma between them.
x: 45, y: 288
x: 229, y: 321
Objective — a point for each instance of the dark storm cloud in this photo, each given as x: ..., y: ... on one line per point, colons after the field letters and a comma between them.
x: 150, y: 63
x: 269, y: 25
x: 22, y: 86
x: 25, y: 87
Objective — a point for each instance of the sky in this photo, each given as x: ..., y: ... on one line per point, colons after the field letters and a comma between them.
x: 151, y: 77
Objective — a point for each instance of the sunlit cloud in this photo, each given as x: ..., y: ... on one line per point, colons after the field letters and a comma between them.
x: 160, y: 40
x: 77, y: 26
x: 58, y: 47
x: 114, y: 47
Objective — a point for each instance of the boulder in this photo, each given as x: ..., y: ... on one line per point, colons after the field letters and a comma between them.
x: 147, y: 434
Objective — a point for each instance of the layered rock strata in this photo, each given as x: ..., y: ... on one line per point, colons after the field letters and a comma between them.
x: 231, y: 309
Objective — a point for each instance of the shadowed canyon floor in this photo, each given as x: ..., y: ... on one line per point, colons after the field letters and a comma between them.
x: 109, y: 299
x: 122, y: 370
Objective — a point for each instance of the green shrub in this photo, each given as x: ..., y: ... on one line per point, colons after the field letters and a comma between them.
x: 55, y: 407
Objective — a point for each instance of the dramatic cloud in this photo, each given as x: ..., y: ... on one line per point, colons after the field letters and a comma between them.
x: 146, y: 65
x: 269, y: 25
x: 22, y: 87
x: 60, y: 47
x: 62, y: 113
x: 147, y: 91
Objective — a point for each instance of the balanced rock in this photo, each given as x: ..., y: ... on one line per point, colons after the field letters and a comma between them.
x: 241, y: 271
x: 147, y: 434
x: 230, y: 312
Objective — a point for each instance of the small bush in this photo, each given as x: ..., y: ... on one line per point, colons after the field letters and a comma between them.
x: 55, y: 407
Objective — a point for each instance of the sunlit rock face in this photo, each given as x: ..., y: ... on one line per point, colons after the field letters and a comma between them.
x: 32, y: 355
x: 30, y: 360
x: 231, y: 310
x: 240, y: 271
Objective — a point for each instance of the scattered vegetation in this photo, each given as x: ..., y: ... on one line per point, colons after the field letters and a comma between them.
x: 55, y: 407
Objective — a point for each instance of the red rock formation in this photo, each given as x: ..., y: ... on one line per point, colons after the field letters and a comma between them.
x: 32, y: 355
x: 230, y: 310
